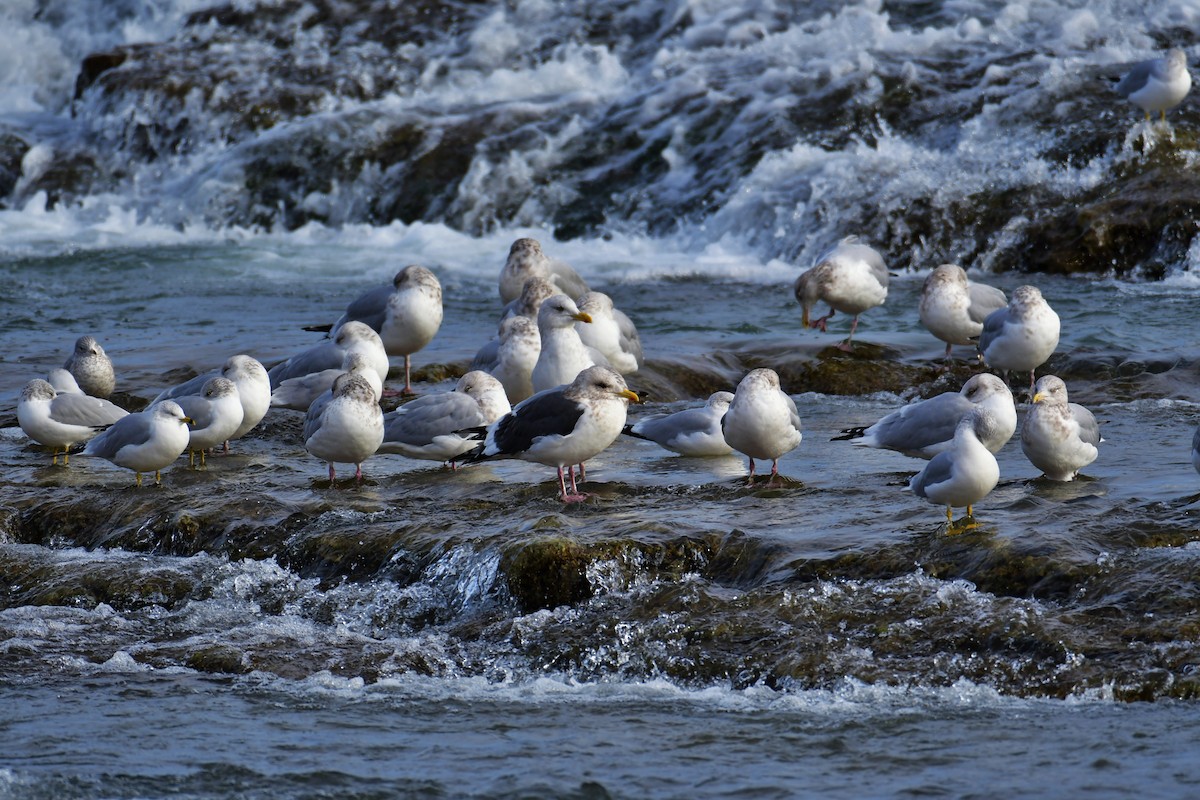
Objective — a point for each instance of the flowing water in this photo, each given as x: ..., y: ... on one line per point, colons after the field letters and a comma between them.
x: 252, y: 630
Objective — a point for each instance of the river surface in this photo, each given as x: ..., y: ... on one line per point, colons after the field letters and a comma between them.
x: 252, y: 630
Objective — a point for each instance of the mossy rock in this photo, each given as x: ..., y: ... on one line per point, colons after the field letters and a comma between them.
x: 547, y: 573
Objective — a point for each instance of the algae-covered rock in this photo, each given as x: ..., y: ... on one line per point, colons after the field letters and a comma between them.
x: 547, y: 573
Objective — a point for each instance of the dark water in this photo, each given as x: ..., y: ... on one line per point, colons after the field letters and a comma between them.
x: 251, y: 630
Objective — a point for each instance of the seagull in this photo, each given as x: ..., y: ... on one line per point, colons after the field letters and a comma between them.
x: 253, y: 387
x: 300, y: 392
x: 1157, y: 84
x: 691, y: 432
x: 536, y: 292
x: 63, y: 382
x: 563, y: 426
x: 349, y: 428
x: 59, y: 420
x: 1022, y: 336
x: 563, y: 354
x: 520, y: 346
x: 965, y: 473
x: 1058, y: 437
x: 351, y: 336
x: 762, y: 421
x: 146, y: 441
x: 216, y: 414
x: 611, y: 332
x: 850, y: 277
x: 91, y: 367
x: 953, y: 308
x: 526, y: 260
x: 405, y: 314
x: 433, y: 427
x: 925, y: 428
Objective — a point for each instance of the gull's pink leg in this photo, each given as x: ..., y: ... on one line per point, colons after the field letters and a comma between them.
x: 331, y: 472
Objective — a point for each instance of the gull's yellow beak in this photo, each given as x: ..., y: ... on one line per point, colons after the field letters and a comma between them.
x: 630, y: 396
x: 189, y: 420
x: 582, y: 316
x: 1040, y: 396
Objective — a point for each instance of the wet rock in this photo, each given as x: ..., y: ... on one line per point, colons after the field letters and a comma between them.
x: 547, y: 573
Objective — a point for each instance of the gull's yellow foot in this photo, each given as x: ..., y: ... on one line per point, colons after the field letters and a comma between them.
x: 138, y: 479
x: 157, y: 478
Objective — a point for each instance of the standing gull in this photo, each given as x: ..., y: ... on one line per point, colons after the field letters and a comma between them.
x: 762, y: 421
x: 965, y: 473
x: 1158, y: 84
x: 216, y: 414
x: 526, y: 260
x: 611, y: 332
x: 563, y: 354
x: 1022, y: 336
x: 91, y: 367
x: 927, y: 427
x: 536, y: 292
x: 433, y: 427
x: 406, y: 314
x: 59, y: 420
x: 562, y: 426
x: 953, y: 308
x: 253, y: 390
x: 1058, y: 437
x: 850, y: 277
x: 146, y: 441
x: 691, y: 432
x: 520, y: 346
x: 347, y: 429
x: 352, y: 336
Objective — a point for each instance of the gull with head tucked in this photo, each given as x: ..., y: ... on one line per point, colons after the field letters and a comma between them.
x: 851, y: 277
x: 965, y: 473
x: 91, y: 367
x: 762, y: 421
x: 59, y: 420
x: 405, y: 313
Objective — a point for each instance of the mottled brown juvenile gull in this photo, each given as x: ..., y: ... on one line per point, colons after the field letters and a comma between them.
x: 1158, y: 84
x: 611, y: 332
x: 144, y: 442
x: 691, y: 432
x: 563, y: 354
x: 526, y: 260
x: 253, y: 385
x: 216, y: 414
x: 953, y: 307
x: 61, y: 420
x: 851, y: 277
x: 353, y: 336
x: 1058, y: 437
x: 348, y: 429
x: 965, y: 473
x: 91, y: 367
x: 433, y: 427
x: 406, y: 314
x: 1022, y: 336
x: 563, y: 426
x: 927, y: 427
x: 762, y: 421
